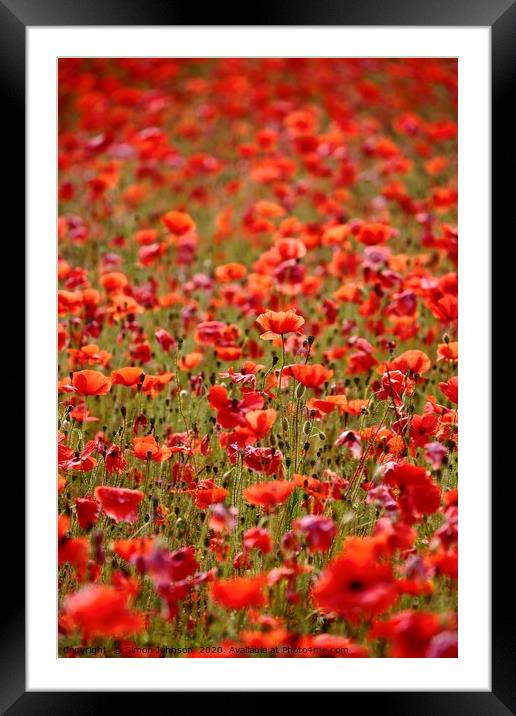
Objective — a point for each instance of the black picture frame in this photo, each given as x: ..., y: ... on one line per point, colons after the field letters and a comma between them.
x: 500, y: 16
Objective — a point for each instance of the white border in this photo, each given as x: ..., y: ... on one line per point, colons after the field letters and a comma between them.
x: 472, y: 669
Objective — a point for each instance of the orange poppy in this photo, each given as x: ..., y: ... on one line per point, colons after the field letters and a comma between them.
x: 356, y: 406
x: 129, y: 549
x: 146, y: 447
x: 129, y: 376
x: 114, y: 281
x: 178, y: 223
x: 154, y: 384
x: 190, y: 361
x: 276, y: 323
x: 123, y: 306
x: 448, y: 351
x: 413, y: 361
x: 91, y: 382
x: 230, y: 272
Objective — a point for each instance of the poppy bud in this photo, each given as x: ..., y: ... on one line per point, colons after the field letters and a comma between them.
x: 311, y: 339
x: 446, y: 338
x: 300, y: 390
x: 275, y: 359
x: 322, y: 436
x: 307, y: 427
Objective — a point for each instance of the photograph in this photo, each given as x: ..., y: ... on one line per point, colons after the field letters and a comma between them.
x: 257, y: 361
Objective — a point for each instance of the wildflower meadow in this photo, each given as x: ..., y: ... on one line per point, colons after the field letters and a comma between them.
x: 257, y: 358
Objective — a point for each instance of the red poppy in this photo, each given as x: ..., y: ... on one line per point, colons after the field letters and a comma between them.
x: 371, y: 234
x: 413, y: 635
x: 114, y: 460
x: 257, y: 538
x: 269, y: 494
x: 216, y: 333
x: 119, y: 503
x: 130, y: 549
x: 164, y: 339
x: 355, y: 587
x: 422, y: 427
x: 319, y: 532
x: 259, y: 422
x: 206, y: 496
x: 98, y: 611
x: 74, y: 551
x: 418, y: 493
x: 265, y: 460
x: 330, y: 645
x: 231, y: 412
x: 312, y: 375
x: 451, y: 389
x: 328, y: 404
x: 239, y: 592
x: 87, y: 512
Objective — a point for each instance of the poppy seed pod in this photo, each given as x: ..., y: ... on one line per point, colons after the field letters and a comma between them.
x: 300, y: 390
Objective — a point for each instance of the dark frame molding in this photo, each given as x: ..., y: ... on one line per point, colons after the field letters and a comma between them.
x: 500, y: 15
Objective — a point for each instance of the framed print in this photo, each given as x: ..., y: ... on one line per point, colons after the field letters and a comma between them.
x: 246, y: 298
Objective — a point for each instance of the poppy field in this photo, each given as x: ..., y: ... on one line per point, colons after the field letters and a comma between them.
x: 257, y: 358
